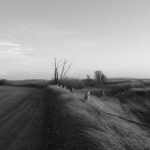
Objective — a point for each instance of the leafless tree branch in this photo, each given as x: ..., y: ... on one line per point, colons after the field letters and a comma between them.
x: 61, y: 68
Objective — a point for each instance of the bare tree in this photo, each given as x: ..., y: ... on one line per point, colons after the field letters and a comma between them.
x: 66, y: 65
x: 61, y: 68
x: 56, y: 73
x: 88, y: 77
x: 101, y: 79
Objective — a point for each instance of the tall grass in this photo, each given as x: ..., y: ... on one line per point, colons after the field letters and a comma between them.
x: 88, y: 125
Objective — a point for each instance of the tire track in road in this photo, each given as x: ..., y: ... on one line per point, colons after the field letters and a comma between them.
x: 24, y: 120
x: 12, y: 111
x: 10, y: 133
x: 12, y: 102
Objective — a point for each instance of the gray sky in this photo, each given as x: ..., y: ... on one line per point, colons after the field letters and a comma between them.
x: 110, y: 35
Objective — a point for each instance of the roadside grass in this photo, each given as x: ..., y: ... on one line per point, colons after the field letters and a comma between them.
x: 88, y: 125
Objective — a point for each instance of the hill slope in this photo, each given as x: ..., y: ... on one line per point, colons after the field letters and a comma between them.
x: 99, y: 124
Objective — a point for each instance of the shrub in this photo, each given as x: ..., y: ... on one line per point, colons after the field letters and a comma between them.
x: 3, y: 82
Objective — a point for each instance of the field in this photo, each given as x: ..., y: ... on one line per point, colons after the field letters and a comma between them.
x: 50, y: 117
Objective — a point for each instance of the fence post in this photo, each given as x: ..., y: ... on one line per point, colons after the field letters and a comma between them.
x: 87, y: 95
x: 103, y: 92
x: 72, y: 90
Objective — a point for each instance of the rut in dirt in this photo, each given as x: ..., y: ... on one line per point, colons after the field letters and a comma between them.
x: 23, y: 118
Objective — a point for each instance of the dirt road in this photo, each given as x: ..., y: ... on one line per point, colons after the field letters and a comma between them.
x: 23, y: 118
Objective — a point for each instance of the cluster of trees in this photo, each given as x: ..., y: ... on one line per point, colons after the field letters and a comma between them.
x: 61, y: 68
x: 101, y: 79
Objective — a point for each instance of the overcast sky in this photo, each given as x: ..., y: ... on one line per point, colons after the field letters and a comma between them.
x: 109, y: 35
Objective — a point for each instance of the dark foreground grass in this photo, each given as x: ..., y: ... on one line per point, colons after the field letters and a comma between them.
x: 75, y: 124
x: 65, y: 131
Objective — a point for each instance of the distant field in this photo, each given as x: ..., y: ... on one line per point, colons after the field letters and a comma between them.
x: 22, y: 118
x: 24, y: 83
